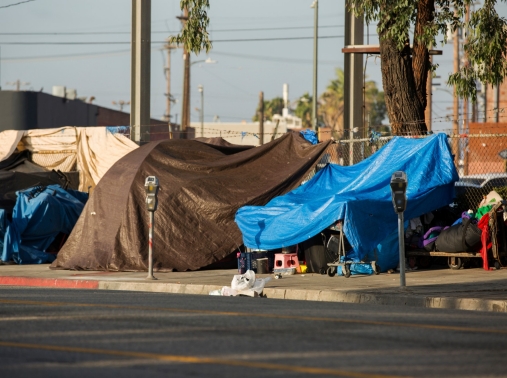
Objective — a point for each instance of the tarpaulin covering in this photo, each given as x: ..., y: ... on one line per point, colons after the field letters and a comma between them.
x: 201, y: 188
x: 225, y: 146
x: 359, y: 195
x: 12, y: 182
x: 40, y: 214
x: 89, y: 150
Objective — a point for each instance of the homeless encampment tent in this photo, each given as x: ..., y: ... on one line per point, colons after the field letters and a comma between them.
x: 31, y: 161
x: 41, y: 213
x: 225, y: 146
x: 11, y: 182
x: 201, y: 189
x: 89, y: 150
x: 359, y: 195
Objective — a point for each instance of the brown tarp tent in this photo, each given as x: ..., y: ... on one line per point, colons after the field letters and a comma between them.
x: 201, y: 188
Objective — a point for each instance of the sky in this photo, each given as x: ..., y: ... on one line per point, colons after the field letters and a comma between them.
x: 95, y: 59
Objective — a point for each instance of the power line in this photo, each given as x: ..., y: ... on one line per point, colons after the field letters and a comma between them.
x: 214, y: 41
x: 64, y: 56
x: 11, y: 5
x: 276, y: 39
x: 271, y: 58
x: 169, y: 32
x: 126, y: 51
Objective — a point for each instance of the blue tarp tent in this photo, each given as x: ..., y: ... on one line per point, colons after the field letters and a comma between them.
x: 39, y: 215
x: 359, y: 195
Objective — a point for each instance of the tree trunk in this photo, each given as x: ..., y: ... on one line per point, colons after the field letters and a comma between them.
x: 405, y: 110
x: 420, y: 52
x: 404, y: 107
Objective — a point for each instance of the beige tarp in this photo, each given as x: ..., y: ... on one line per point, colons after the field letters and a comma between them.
x: 89, y: 150
x: 9, y: 139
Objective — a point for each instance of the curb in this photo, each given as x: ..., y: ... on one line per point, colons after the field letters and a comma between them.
x: 49, y: 282
x: 402, y: 299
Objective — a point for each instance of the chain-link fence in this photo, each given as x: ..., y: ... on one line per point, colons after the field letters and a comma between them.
x: 480, y: 159
x: 480, y: 155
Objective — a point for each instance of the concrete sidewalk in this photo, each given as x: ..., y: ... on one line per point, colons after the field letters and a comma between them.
x: 466, y: 289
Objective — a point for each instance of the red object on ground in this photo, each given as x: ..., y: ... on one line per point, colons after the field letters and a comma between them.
x: 485, y: 239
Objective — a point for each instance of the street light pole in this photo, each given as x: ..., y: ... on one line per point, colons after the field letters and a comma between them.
x: 315, y: 6
x: 140, y: 70
x: 201, y: 90
x: 185, y: 108
x: 185, y: 104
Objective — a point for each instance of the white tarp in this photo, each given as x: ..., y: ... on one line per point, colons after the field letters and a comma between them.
x: 89, y: 150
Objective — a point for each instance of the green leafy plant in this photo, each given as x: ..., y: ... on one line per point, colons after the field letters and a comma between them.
x: 409, y: 29
x: 194, y: 37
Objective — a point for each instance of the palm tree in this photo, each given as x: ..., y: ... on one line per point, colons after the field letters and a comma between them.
x: 271, y: 107
x: 375, y: 106
x: 331, y: 105
x: 304, y: 110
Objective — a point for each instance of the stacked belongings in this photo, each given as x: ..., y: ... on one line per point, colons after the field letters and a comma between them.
x: 359, y: 195
x: 468, y: 237
x: 463, y: 236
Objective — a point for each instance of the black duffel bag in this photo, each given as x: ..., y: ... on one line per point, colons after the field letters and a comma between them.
x: 463, y: 237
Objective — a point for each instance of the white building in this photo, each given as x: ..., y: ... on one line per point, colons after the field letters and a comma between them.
x: 247, y: 133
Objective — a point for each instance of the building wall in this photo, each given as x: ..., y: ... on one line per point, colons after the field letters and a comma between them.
x: 26, y: 110
x: 481, y: 156
x: 53, y: 111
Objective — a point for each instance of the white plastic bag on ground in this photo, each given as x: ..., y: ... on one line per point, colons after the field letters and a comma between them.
x: 243, y: 284
x: 259, y: 284
x: 243, y: 281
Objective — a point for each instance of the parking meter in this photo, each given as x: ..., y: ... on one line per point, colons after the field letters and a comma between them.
x: 399, y: 191
x: 151, y: 189
x: 399, y: 185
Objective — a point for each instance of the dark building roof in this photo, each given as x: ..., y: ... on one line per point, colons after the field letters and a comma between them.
x: 26, y: 110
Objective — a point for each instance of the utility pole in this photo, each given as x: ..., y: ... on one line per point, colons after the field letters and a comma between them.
x: 201, y: 91
x: 455, y: 121
x: 261, y: 118
x: 466, y: 120
x: 465, y: 63
x: 315, y: 6
x: 485, y: 107
x: 185, y: 107
x: 496, y: 101
x: 140, y: 70
x: 429, y: 97
x: 353, y: 81
x: 121, y: 104
x: 17, y: 84
x: 167, y: 71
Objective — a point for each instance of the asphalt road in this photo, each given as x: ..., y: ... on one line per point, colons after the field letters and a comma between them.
x: 74, y: 333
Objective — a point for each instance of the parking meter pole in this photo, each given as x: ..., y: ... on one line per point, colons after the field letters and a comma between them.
x: 401, y: 239
x: 399, y: 184
x: 151, y: 188
x: 150, y: 248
